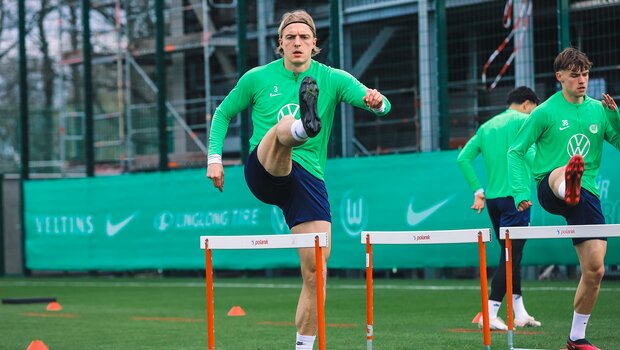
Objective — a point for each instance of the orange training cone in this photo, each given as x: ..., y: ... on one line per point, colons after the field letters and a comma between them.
x: 37, y: 345
x: 477, y: 318
x: 53, y: 306
x: 236, y: 311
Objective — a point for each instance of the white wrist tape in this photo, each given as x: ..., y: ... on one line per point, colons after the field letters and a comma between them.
x: 380, y: 109
x: 214, y: 159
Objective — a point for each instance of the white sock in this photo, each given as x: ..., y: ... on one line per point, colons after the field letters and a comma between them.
x: 562, y: 190
x: 518, y: 306
x: 580, y: 322
x: 304, y: 342
x: 298, y: 131
x: 494, y: 308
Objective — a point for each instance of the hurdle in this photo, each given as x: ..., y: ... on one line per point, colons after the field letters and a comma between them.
x: 318, y: 241
x: 480, y: 236
x: 543, y: 232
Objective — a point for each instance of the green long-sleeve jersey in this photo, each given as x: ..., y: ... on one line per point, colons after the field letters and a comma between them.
x: 561, y: 129
x: 493, y: 139
x: 614, y: 119
x: 273, y: 92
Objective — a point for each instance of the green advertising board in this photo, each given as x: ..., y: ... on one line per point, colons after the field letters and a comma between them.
x: 154, y: 220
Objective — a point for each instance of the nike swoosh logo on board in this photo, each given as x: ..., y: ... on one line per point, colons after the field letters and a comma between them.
x: 414, y: 218
x: 112, y: 229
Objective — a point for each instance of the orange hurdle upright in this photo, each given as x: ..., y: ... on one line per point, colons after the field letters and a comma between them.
x: 306, y: 240
x: 479, y: 236
x: 545, y: 232
x: 369, y: 325
x: 209, y: 287
x: 320, y: 292
x: 484, y: 295
x: 509, y: 306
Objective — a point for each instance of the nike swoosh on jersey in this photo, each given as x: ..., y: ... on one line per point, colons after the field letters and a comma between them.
x: 564, y: 127
x: 112, y: 229
x: 414, y: 218
x: 274, y: 95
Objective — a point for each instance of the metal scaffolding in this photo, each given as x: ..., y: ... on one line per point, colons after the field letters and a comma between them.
x: 431, y: 77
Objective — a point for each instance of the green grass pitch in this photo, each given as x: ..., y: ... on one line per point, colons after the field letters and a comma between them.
x: 169, y: 313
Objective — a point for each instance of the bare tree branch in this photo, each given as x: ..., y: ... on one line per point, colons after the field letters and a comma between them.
x: 30, y: 25
x: 47, y: 67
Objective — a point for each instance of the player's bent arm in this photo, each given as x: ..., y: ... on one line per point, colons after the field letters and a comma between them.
x: 470, y: 151
x: 518, y: 173
x: 215, y: 170
x: 219, y: 128
x: 613, y: 117
x: 611, y: 112
x: 612, y: 136
x: 352, y: 91
x: 236, y: 101
x: 529, y: 157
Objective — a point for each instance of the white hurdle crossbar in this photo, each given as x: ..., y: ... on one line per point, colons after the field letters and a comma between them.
x: 480, y: 236
x: 543, y: 232
x: 305, y: 240
x: 563, y: 231
x: 318, y: 241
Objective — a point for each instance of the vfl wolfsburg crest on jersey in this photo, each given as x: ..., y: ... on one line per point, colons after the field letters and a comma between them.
x: 594, y: 128
x: 578, y: 144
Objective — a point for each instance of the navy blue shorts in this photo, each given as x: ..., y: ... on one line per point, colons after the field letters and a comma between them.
x: 503, y: 213
x: 301, y: 196
x: 586, y: 212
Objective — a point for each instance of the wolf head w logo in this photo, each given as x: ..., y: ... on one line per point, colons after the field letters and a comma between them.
x: 353, y: 213
x: 278, y: 223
